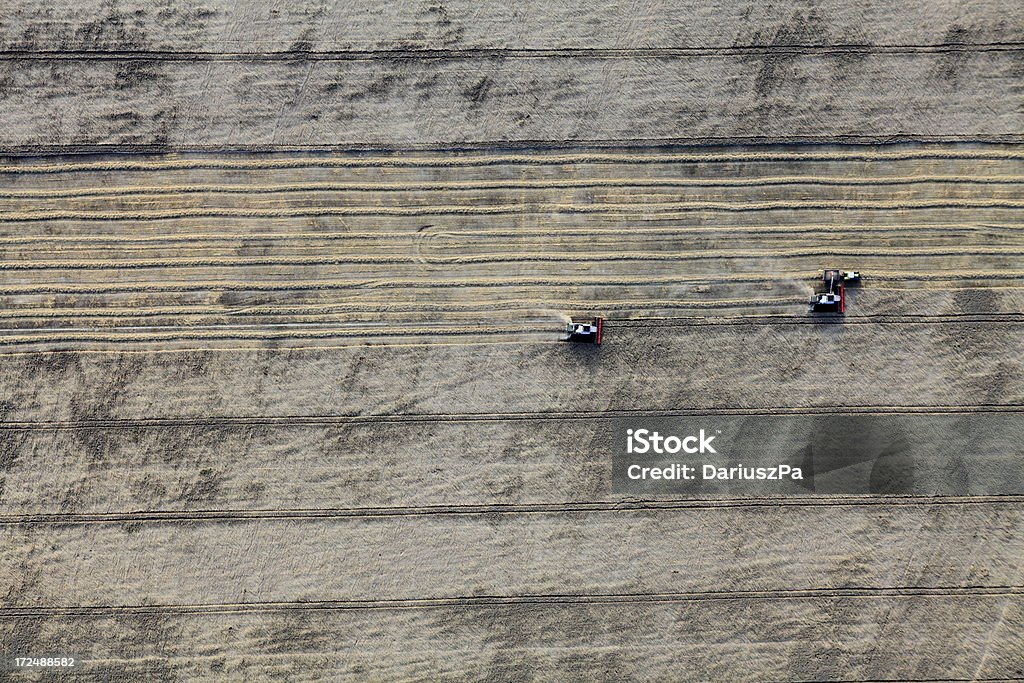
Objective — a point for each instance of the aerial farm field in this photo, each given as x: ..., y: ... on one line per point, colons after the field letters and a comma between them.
x: 282, y: 391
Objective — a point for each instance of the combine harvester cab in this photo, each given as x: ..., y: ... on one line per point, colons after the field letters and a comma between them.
x: 587, y: 331
x: 833, y: 299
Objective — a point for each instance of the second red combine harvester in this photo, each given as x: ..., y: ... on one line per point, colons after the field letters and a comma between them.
x: 588, y: 331
x: 833, y: 299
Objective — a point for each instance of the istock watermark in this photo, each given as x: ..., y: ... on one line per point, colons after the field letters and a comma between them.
x: 955, y: 454
x: 644, y: 440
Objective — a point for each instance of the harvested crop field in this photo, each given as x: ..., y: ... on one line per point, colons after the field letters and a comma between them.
x: 258, y: 409
x: 282, y: 292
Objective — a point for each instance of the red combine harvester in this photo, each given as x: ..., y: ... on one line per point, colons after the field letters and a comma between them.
x: 587, y: 331
x: 833, y: 299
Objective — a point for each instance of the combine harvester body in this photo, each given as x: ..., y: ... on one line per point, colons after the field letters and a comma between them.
x: 833, y: 299
x: 589, y: 331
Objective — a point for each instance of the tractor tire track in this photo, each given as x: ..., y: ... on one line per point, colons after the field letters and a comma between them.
x: 383, y: 418
x: 505, y: 53
x: 576, y: 507
x: 21, y: 612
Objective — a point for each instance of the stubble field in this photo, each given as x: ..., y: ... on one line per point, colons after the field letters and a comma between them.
x: 326, y: 393
x: 282, y: 395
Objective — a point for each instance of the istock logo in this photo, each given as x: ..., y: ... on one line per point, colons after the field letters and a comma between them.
x: 645, y: 441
